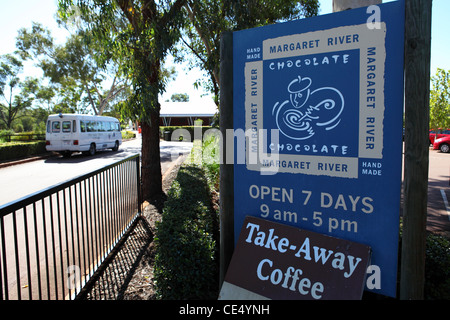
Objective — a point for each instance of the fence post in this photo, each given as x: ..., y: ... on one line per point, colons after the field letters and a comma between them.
x: 138, y: 185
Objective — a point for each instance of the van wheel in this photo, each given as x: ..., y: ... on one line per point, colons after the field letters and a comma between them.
x: 116, y: 146
x: 92, y: 149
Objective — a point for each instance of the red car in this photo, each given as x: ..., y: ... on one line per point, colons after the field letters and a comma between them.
x: 440, y: 134
x: 442, y: 144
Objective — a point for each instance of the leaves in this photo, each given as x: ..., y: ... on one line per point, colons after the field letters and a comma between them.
x: 185, y: 262
x: 439, y: 100
x: 16, y: 95
x: 208, y: 19
x: 74, y: 67
x: 437, y: 267
x: 138, y: 33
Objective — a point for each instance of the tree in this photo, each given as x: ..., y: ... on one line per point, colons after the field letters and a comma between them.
x: 73, y: 66
x: 15, y: 102
x: 140, y: 32
x: 440, y: 100
x: 180, y: 97
x: 208, y: 19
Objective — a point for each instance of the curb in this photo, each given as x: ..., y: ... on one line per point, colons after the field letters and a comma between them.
x: 179, y: 160
x: 21, y: 161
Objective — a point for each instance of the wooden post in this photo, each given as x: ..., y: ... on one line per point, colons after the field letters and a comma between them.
x: 417, y: 100
x: 226, y: 169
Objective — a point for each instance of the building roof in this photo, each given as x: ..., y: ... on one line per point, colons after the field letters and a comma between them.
x: 202, y: 108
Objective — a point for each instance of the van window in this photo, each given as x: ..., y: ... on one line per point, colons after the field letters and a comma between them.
x: 49, y: 127
x: 56, y: 126
x: 83, y: 126
x: 91, y: 126
x: 66, y: 126
x: 74, y: 126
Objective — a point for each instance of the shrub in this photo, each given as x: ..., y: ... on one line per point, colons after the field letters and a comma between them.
x: 128, y: 135
x: 186, y: 257
x: 11, y: 136
x: 28, y: 136
x: 437, y: 268
x: 4, y: 135
x: 186, y: 262
x: 13, y: 150
x: 190, y: 130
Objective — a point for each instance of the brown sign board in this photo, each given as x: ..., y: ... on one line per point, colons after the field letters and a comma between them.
x: 276, y: 261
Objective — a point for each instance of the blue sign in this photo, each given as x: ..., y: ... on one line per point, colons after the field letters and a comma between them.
x: 319, y: 103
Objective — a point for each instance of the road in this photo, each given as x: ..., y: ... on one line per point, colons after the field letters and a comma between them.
x: 438, y: 219
x: 21, y: 180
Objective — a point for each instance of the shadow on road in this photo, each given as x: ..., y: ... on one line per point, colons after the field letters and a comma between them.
x: 79, y: 157
x: 436, y: 221
x: 168, y: 153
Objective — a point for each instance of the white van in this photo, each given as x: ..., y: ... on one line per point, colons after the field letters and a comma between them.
x: 68, y: 133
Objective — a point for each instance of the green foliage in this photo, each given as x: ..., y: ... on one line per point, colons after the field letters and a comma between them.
x: 73, y: 68
x: 186, y: 258
x: 14, y: 150
x: 180, y: 97
x: 128, y: 135
x: 210, y: 158
x: 4, y: 135
x: 208, y: 19
x: 138, y: 34
x: 186, y: 262
x: 437, y: 268
x: 17, y: 93
x: 190, y: 129
x: 440, y: 100
x: 10, y: 136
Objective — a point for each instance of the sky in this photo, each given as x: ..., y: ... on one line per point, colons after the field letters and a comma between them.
x: 18, y: 14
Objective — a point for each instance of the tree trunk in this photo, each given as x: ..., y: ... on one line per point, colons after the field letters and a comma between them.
x: 151, y: 162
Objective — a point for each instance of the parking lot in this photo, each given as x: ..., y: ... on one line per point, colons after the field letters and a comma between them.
x: 439, y: 193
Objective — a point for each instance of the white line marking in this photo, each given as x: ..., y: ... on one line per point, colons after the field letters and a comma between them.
x: 444, y: 196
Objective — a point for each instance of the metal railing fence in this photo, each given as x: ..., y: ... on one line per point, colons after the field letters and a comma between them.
x: 53, y: 241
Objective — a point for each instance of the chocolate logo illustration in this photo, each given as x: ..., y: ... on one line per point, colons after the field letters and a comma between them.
x: 306, y: 111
